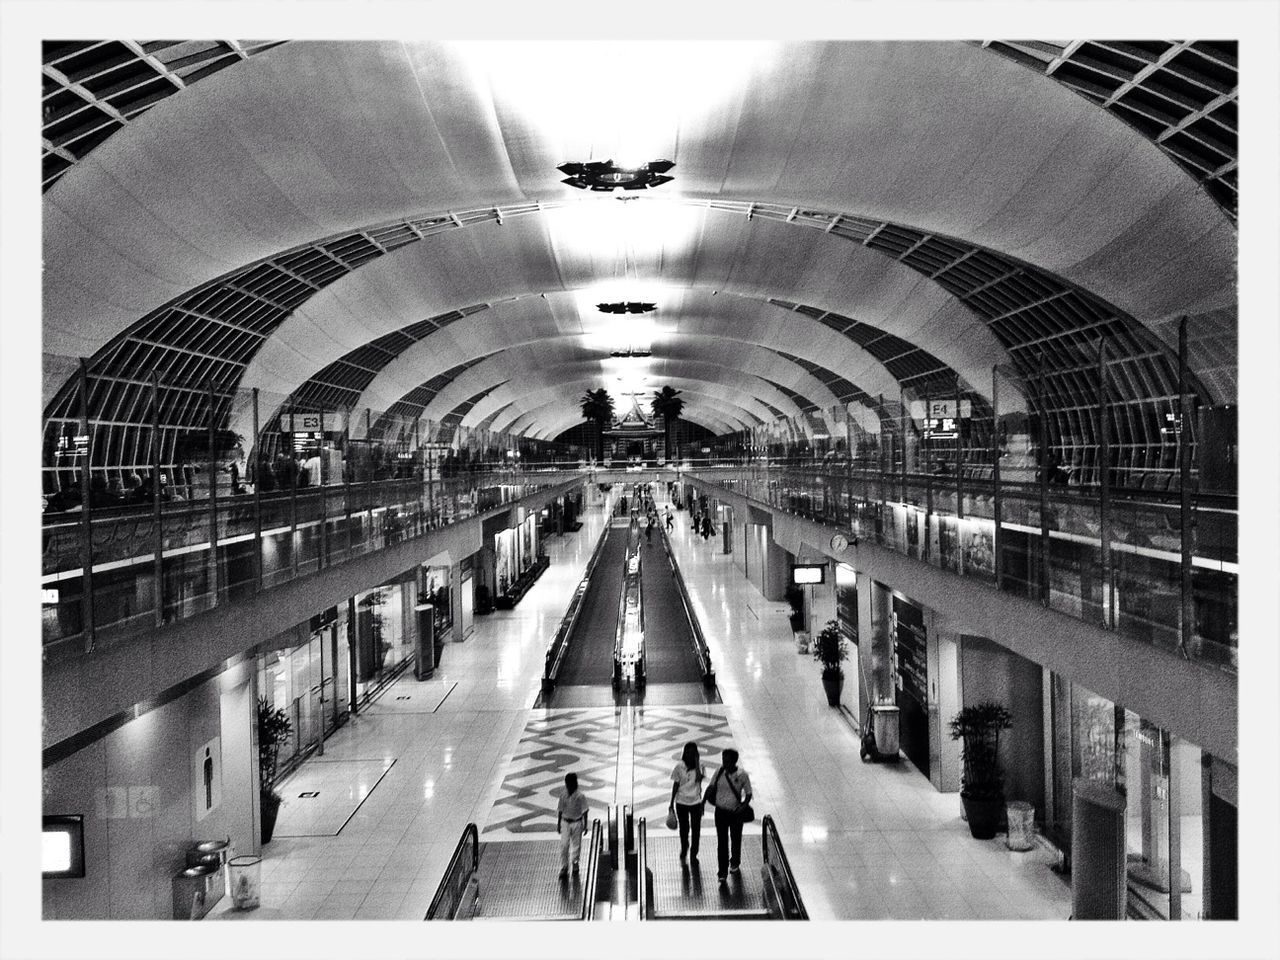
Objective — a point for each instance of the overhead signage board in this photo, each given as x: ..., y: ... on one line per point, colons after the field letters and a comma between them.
x: 806, y: 573
x: 940, y: 409
x: 308, y: 423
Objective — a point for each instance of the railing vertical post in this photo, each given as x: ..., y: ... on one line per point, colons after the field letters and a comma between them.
x: 1104, y: 489
x: 1187, y: 520
x: 348, y: 464
x: 323, y: 497
x: 1042, y: 445
x: 86, y: 509
x: 257, y: 496
x: 959, y: 456
x: 157, y: 522
x: 997, y: 536
x: 884, y: 472
x: 369, y: 469
x: 292, y: 458
x: 926, y: 442
x: 903, y: 416
x: 213, y: 494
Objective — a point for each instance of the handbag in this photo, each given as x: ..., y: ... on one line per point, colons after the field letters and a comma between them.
x: 745, y: 812
x: 672, y: 822
x: 709, y: 795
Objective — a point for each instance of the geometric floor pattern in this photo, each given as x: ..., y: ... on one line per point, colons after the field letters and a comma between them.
x: 555, y: 742
x: 588, y: 741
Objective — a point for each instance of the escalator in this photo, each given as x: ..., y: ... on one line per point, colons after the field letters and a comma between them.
x: 625, y: 875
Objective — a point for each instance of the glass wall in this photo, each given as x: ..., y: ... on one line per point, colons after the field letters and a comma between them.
x: 308, y: 681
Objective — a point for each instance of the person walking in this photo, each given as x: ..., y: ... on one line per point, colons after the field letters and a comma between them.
x: 706, y: 526
x: 571, y: 822
x: 686, y: 799
x: 729, y: 791
x: 648, y: 532
x: 670, y: 520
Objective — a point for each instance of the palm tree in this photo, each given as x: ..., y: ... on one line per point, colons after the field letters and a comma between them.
x: 666, y: 403
x: 597, y: 408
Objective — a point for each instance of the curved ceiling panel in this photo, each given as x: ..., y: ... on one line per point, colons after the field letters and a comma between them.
x: 1181, y: 94
x: 322, y: 138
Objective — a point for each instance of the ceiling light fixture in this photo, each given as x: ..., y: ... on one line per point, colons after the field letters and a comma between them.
x: 606, y: 175
x: 628, y: 306
x: 629, y: 352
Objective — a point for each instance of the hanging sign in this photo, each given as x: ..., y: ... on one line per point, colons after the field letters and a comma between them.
x: 308, y: 423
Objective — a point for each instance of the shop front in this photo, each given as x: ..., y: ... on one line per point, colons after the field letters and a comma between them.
x: 1179, y: 803
x: 383, y: 635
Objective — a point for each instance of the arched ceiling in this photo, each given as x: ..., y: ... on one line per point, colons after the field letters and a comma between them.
x: 288, y: 225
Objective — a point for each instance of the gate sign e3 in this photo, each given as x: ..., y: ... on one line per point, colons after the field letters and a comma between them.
x: 307, y: 423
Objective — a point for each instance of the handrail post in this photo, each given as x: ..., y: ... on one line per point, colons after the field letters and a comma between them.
x: 1104, y: 492
x: 323, y: 496
x: 157, y: 588
x: 213, y: 496
x: 293, y: 507
x: 1042, y: 437
x: 257, y: 497
x: 959, y: 456
x: 86, y: 520
x: 1187, y: 520
x: 997, y: 537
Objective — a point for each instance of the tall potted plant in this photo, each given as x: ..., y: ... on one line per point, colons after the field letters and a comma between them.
x: 274, y: 730
x: 597, y: 408
x: 982, y: 781
x: 830, y: 649
x: 667, y: 404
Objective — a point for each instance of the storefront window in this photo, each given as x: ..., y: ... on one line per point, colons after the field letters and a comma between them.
x: 438, y: 593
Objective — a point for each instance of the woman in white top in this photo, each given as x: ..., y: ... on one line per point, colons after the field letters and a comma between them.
x: 686, y: 798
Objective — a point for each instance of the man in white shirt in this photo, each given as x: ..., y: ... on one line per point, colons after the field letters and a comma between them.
x: 571, y: 821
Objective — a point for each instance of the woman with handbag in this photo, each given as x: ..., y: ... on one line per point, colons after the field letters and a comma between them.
x: 686, y: 800
x: 729, y: 792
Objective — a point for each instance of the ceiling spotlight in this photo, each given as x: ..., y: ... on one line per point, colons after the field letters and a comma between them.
x: 629, y: 306
x: 607, y: 176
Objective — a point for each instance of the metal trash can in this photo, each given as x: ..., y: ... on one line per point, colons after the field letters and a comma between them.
x: 215, y: 852
x: 884, y: 723
x: 195, y: 891
x: 246, y: 882
x: 802, y: 641
x: 1022, y: 825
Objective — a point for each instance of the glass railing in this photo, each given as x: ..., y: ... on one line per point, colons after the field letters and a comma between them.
x: 151, y: 564
x: 1042, y: 542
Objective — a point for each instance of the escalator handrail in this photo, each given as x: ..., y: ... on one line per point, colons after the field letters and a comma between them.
x: 471, y: 834
x: 701, y: 650
x: 642, y: 869
x: 559, y: 645
x: 775, y: 857
x: 622, y: 606
x: 590, y: 878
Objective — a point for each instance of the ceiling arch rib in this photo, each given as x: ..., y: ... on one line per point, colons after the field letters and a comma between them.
x: 552, y: 399
x: 1002, y: 136
x: 1182, y: 95
x: 520, y: 394
x: 714, y: 359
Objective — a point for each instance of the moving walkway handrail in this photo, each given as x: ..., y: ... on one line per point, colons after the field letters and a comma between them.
x: 620, y: 633
x: 779, y: 872
x: 591, y: 877
x: 559, y: 645
x: 642, y: 869
x: 457, y: 875
x: 701, y: 650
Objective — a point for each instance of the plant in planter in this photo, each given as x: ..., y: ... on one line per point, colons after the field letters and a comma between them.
x: 274, y: 730
x: 982, y: 782
x: 830, y: 649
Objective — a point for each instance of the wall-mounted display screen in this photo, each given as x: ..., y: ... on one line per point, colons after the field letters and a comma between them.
x: 62, y: 846
x: 803, y: 573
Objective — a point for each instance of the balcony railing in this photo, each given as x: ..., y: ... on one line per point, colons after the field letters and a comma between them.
x: 1118, y: 564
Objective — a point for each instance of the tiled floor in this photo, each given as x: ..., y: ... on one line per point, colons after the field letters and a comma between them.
x: 864, y: 841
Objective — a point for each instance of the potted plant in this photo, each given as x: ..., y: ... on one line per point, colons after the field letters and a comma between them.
x: 274, y: 729
x: 829, y: 649
x: 982, y: 782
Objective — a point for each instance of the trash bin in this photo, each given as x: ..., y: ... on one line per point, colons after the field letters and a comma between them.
x: 884, y: 723
x: 802, y: 641
x: 195, y: 891
x: 215, y: 852
x: 1022, y: 825
x: 246, y: 881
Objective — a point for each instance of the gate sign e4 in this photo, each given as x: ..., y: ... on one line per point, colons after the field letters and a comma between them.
x: 940, y: 409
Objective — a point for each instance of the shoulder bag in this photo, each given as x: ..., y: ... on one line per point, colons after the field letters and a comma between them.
x: 745, y: 813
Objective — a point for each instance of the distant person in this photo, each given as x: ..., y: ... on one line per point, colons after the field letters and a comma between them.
x: 686, y: 799
x: 571, y: 823
x: 697, y: 523
x: 648, y: 532
x: 670, y: 520
x: 729, y: 791
x: 706, y: 526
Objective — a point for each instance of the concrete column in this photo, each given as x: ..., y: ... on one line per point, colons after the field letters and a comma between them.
x: 944, y: 702
x: 777, y: 570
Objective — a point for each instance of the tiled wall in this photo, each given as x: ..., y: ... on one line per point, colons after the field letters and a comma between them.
x: 139, y: 788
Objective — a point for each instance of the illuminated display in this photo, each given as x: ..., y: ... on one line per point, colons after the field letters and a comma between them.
x: 62, y: 847
x: 802, y: 573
